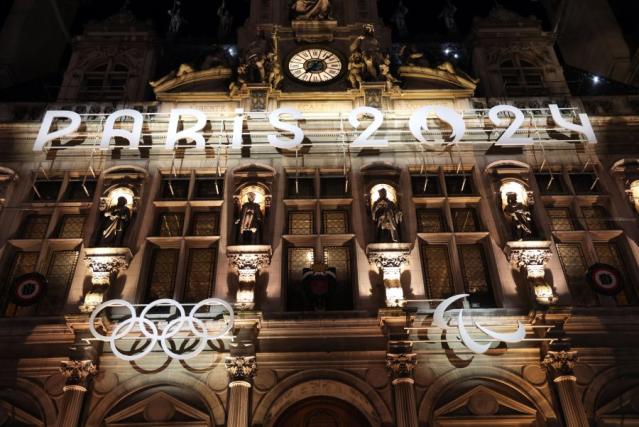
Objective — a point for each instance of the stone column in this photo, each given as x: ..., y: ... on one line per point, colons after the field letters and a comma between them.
x: 402, y: 366
x: 78, y: 373
x: 248, y: 261
x: 241, y: 371
x: 532, y: 257
x: 390, y: 258
x: 105, y: 264
x: 560, y: 365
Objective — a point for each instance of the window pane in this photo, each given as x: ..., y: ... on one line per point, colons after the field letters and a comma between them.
x: 610, y: 253
x: 560, y: 219
x: 199, y: 275
x: 425, y: 185
x: 170, y: 224
x: 550, y: 184
x: 459, y: 184
x: 72, y: 227
x: 574, y: 265
x: 59, y: 275
x: 162, y: 275
x: 585, y: 183
x: 334, y: 222
x: 298, y: 259
x: 465, y: 220
x: 22, y: 263
x: 439, y: 283
x: 339, y: 297
x: 430, y: 221
x: 79, y: 191
x: 209, y: 188
x: 46, y: 191
x: 35, y: 227
x: 596, y: 218
x: 205, y: 224
x: 476, y: 281
x: 174, y: 188
x: 300, y: 188
x: 300, y: 223
x: 334, y: 187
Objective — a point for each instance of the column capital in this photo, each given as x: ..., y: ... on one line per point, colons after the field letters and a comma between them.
x: 78, y: 372
x: 241, y: 368
x: 401, y: 365
x: 560, y: 363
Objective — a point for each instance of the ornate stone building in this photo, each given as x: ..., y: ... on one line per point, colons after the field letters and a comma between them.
x: 338, y: 250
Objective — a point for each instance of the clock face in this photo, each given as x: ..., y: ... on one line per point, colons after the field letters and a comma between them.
x: 315, y: 66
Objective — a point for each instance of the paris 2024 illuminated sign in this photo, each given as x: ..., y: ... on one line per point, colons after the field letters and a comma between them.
x: 364, y: 122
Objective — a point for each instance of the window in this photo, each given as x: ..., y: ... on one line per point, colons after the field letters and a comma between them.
x: 72, y: 227
x: 458, y: 185
x: 334, y: 222
x: 300, y: 223
x: 205, y: 224
x: 596, y: 218
x: 575, y: 266
x: 585, y: 183
x: 475, y: 276
x: 174, y: 188
x: 162, y: 277
x: 35, y: 227
x: 340, y: 296
x: 610, y: 253
x: 80, y: 190
x: 334, y: 187
x: 302, y: 187
x: 425, y: 185
x: 550, y: 183
x: 59, y: 275
x: 298, y: 259
x: 170, y: 224
x: 209, y: 188
x: 465, y: 220
x: 438, y: 279
x: 22, y: 263
x: 520, y: 77
x: 430, y: 221
x: 46, y: 190
x: 560, y: 219
x: 200, y: 275
x: 106, y: 82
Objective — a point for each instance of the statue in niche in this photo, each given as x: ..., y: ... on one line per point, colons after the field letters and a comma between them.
x: 398, y: 18
x: 520, y: 216
x: 115, y: 223
x: 225, y: 22
x: 312, y: 10
x: 387, y: 218
x: 250, y: 222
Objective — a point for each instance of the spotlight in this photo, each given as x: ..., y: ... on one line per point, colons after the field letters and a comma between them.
x: 596, y: 79
x: 447, y: 51
x: 456, y: 56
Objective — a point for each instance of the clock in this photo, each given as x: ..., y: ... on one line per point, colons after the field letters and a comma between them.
x: 315, y: 66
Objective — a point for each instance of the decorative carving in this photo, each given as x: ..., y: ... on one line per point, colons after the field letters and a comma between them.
x: 387, y: 217
x: 516, y: 203
x: 367, y: 62
x: 78, y: 372
x: 401, y: 365
x: 248, y: 260
x: 260, y: 65
x: 561, y: 363
x: 390, y: 258
x: 250, y: 222
x: 258, y: 100
x: 312, y: 10
x: 533, y: 260
x: 241, y: 368
x: 104, y: 264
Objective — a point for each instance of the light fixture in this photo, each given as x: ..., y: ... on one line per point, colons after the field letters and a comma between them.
x: 596, y: 79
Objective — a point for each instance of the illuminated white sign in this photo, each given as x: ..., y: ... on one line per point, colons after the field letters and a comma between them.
x: 364, y: 127
x: 438, y: 320
x: 163, y: 328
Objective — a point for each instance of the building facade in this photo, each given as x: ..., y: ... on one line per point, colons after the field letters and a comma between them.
x: 339, y: 193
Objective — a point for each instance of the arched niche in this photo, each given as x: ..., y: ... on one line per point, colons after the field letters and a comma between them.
x: 381, y: 177
x: 612, y: 397
x: 256, y: 182
x: 27, y: 403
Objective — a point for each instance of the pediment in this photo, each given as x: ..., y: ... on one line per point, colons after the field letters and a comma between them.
x: 211, y: 80
x: 159, y: 409
x: 442, y: 77
x: 483, y: 402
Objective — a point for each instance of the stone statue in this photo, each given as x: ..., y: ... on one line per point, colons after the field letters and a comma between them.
x: 520, y: 216
x: 176, y: 20
x: 398, y: 18
x: 385, y: 71
x: 239, y: 84
x: 260, y: 64
x: 183, y: 70
x: 225, y: 22
x: 312, y: 10
x: 411, y: 56
x: 116, y: 222
x: 250, y: 222
x: 356, y: 70
x: 387, y: 218
x: 448, y: 16
x: 369, y: 48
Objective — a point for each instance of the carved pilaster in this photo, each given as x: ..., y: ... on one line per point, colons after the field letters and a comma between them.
x: 241, y: 368
x: 248, y: 261
x: 561, y: 366
x: 532, y: 257
x: 77, y: 373
x: 390, y: 259
x: 401, y: 365
x: 104, y: 264
x: 560, y: 363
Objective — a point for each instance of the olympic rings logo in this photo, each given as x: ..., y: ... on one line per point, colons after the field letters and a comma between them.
x: 155, y: 331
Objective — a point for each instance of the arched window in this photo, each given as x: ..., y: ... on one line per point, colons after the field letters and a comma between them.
x: 106, y: 82
x: 521, y: 77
